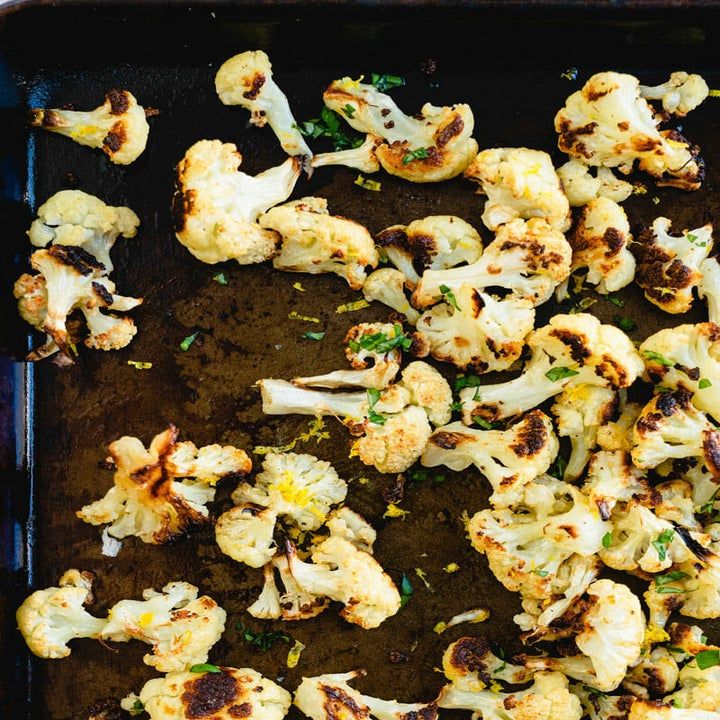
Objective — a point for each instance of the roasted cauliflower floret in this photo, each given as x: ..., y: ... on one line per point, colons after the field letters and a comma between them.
x: 600, y: 243
x: 529, y: 258
x: 329, y: 697
x: 509, y: 459
x: 314, y: 241
x: 343, y: 573
x: 349, y: 525
x: 216, y: 206
x: 118, y: 127
x: 616, y: 435
x: 681, y: 94
x: 608, y: 629
x: 226, y: 695
x: 429, y: 390
x: 149, y: 500
x: 656, y: 674
x: 361, y: 158
x: 72, y: 217
x: 570, y: 351
x: 180, y: 626
x: 519, y: 183
x: 580, y: 186
x: 245, y: 533
x: 50, y: 618
x: 709, y: 287
x: 608, y: 123
x: 437, y: 146
x: 580, y: 412
x: 668, y: 266
x: 699, y: 689
x: 472, y: 329
x: 437, y: 242
x: 246, y: 80
x: 387, y: 286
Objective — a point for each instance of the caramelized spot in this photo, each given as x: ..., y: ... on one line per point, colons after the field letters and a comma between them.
x: 119, y: 101
x: 208, y: 694
x: 257, y: 82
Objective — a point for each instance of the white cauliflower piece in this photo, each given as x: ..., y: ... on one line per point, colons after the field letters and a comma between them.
x: 216, y: 207
x: 226, y: 695
x: 509, y: 459
x: 681, y: 94
x: 581, y: 187
x: 472, y: 329
x: 180, y: 626
x: 245, y: 533
x: 656, y: 673
x: 519, y: 183
x: 48, y: 619
x: 580, y: 412
x: 528, y: 257
x: 118, y: 127
x: 571, y: 350
x: 708, y: 287
x: 669, y: 266
x: 387, y: 286
x: 246, y: 80
x: 608, y: 123
x: 147, y: 499
x: 600, y: 243
x: 699, y: 687
x: 343, y: 573
x: 436, y: 242
x: 349, y: 525
x: 72, y: 217
x: 608, y: 629
x: 313, y: 241
x: 329, y: 697
x: 361, y: 158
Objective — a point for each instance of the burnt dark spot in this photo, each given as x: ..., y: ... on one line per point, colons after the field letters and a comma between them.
x: 240, y: 711
x: 103, y: 293
x: 470, y: 654
x: 615, y: 241
x: 105, y: 709
x: 477, y: 303
x: 579, y: 352
x: 115, y: 139
x: 385, y: 112
x: 532, y: 435
x: 448, y: 440
x: 339, y: 705
x: 396, y: 657
x: 391, y: 236
x: 669, y: 403
x: 257, y: 82
x: 568, y: 138
x: 711, y: 451
x: 624, y: 125
x: 427, y: 713
x: 394, y: 492
x: 593, y: 95
x: 80, y: 260
x: 119, y: 101
x: 209, y: 694
x: 182, y: 207
x: 451, y: 130
x: 389, y: 125
x: 692, y: 373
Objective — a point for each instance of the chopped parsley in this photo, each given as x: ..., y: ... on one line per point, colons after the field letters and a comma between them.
x: 349, y: 110
x: 363, y: 182
x: 328, y: 125
x: 262, y: 640
x: 707, y: 658
x: 616, y: 301
x: 541, y: 573
x: 382, y: 343
x: 205, y: 668
x: 449, y: 297
x: 704, y: 383
x: 373, y: 396
x: 662, y: 582
x: 188, y: 341
x: 309, y: 335
x: 417, y: 154
x: 465, y: 381
x: 486, y: 424
x: 692, y: 239
x: 607, y: 540
x: 625, y: 323
x: 709, y: 506
x: 662, y: 542
x: 422, y: 475
x: 406, y: 590
x: 557, y: 469
x: 457, y: 406
x: 386, y: 82
x: 657, y: 357
x: 138, y: 706
x: 220, y: 278
x: 560, y: 373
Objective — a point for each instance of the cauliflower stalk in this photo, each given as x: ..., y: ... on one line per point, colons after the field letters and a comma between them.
x: 361, y: 158
x: 118, y: 127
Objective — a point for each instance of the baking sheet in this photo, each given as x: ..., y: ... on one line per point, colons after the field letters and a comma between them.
x: 506, y: 65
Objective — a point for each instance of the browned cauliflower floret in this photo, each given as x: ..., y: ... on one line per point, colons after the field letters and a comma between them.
x: 118, y: 127
x: 681, y: 94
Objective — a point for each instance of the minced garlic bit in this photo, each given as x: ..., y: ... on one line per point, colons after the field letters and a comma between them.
x: 298, y: 286
x: 294, y: 315
x: 294, y: 655
x: 140, y: 365
x: 451, y: 568
x: 316, y: 429
x: 394, y: 511
x: 352, y: 306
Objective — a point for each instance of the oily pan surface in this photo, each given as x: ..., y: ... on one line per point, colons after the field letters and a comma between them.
x: 245, y: 334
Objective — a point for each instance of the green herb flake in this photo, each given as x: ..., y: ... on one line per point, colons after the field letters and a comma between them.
x: 138, y: 706
x: 220, y: 278
x: 560, y: 373
x: 607, y: 540
x: 386, y: 82
x: 662, y: 542
x: 456, y: 406
x: 406, y: 590
x: 704, y: 383
x: 616, y: 301
x: 449, y: 297
x: 417, y: 154
x: 205, y: 668
x: 693, y: 240
x: 707, y: 658
x: 466, y: 381
x: 188, y: 341
x: 328, y: 125
x: 709, y: 506
x: 418, y: 476
x: 262, y: 640
x: 557, y: 469
x: 486, y: 424
x: 349, y: 110
x: 382, y: 343
x: 626, y: 324
x: 309, y: 335
x: 657, y: 357
x: 541, y: 573
x: 662, y: 583
x: 364, y: 182
x: 373, y: 396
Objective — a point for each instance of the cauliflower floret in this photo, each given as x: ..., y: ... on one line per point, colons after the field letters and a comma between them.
x: 470, y: 664
x: 343, y: 573
x: 608, y: 629
x: 528, y: 257
x: 600, y: 706
x: 108, y: 332
x: 526, y: 552
x: 668, y: 266
x: 681, y: 94
x: 437, y: 242
x: 600, y: 243
x: 313, y: 241
x: 676, y: 504
x: 548, y: 698
x: 118, y: 127
x: 519, y: 183
x: 245, y: 533
x: 612, y: 478
x: 581, y: 187
x: 699, y: 687
x: 374, y: 350
x: 429, y: 390
x: 50, y: 618
x: 72, y: 217
x: 509, y: 459
x: 616, y: 435
x: 438, y: 146
x: 474, y: 330
x: 670, y: 427
x: 216, y: 206
x: 657, y: 710
x: 387, y: 286
x: 147, y: 500
x: 570, y: 351
x: 608, y: 123
x: 709, y: 287
x: 180, y: 626
x: 246, y: 79
x: 580, y: 412
x: 656, y: 674
x: 361, y: 158
x: 330, y: 697
x: 349, y: 525
x: 226, y: 695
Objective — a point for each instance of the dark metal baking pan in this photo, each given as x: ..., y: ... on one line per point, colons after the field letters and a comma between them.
x: 55, y: 424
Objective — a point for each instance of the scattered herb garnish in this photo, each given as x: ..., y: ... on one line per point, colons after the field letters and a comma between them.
x: 557, y: 469
x: 373, y: 396
x: 449, y: 297
x: 607, y: 540
x: 263, y: 640
x: 381, y: 342
x: 309, y: 335
x: 220, y: 278
x: 709, y: 506
x: 139, y: 364
x: 661, y: 543
x: 406, y: 590
x: 704, y: 383
x: 363, y: 182
x: 693, y: 240
x: 422, y: 475
x: 328, y: 125
x: 138, y: 706
x: 560, y: 373
x: 662, y: 582
x: 569, y: 74
x: 417, y: 154
x: 541, y: 573
x: 486, y: 424
x: 456, y: 406
x: 707, y: 658
x: 386, y: 82
x: 349, y: 110
x: 625, y: 323
x: 656, y: 357
x: 615, y: 301
x: 205, y: 668
x: 188, y: 341
x: 465, y: 381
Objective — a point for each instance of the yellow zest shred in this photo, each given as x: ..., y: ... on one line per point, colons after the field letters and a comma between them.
x: 354, y: 450
x: 451, y: 568
x: 496, y: 687
x: 394, y: 511
x: 654, y: 635
x: 440, y: 628
x: 639, y: 188
x: 714, y: 93
x: 294, y: 655
x: 298, y: 286
x: 368, y: 184
x: 146, y: 619
x: 656, y: 200
x: 294, y: 315
x: 316, y: 429
x: 352, y: 306
x: 364, y: 481
x: 349, y: 84
x: 423, y: 576
x: 140, y: 365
